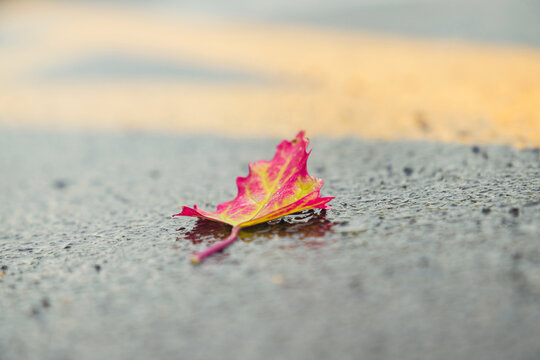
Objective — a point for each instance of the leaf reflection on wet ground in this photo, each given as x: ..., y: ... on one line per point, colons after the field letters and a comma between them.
x: 309, y: 227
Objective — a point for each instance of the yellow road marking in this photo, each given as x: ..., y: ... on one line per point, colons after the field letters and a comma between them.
x: 326, y: 82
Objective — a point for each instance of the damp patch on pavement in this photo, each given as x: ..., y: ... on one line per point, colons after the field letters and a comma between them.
x: 111, y: 66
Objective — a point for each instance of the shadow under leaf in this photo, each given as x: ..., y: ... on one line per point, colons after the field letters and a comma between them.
x: 304, y: 226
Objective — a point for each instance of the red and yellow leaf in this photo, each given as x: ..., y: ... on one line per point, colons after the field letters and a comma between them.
x: 271, y: 190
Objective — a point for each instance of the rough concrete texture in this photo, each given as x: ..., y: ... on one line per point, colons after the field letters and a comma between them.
x: 432, y: 251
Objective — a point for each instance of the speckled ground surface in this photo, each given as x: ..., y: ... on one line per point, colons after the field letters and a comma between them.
x: 432, y: 251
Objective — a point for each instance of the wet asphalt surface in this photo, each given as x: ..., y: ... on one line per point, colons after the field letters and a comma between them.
x: 432, y: 251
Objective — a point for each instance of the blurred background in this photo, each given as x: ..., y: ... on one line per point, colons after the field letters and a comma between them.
x: 453, y: 71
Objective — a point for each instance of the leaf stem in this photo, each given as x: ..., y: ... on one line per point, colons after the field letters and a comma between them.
x: 198, y: 257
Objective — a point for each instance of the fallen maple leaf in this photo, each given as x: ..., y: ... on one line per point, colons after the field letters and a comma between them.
x: 272, y: 189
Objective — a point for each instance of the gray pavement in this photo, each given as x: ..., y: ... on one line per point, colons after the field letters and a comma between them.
x: 432, y: 251
x: 491, y: 21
